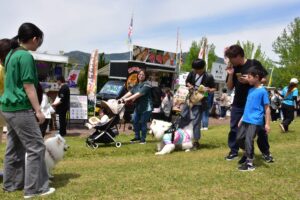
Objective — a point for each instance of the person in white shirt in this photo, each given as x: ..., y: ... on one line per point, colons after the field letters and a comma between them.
x: 166, y: 105
x: 47, y: 110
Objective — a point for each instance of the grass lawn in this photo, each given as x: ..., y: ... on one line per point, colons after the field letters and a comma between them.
x: 134, y: 172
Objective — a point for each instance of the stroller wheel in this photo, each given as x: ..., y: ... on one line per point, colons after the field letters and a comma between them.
x: 118, y: 144
x: 95, y: 146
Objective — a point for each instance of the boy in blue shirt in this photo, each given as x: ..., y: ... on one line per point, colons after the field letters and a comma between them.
x: 256, y: 117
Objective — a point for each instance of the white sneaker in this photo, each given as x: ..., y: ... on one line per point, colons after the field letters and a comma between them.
x: 205, y: 129
x: 50, y: 191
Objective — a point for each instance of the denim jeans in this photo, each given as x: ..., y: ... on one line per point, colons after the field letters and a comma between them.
x: 197, y: 114
x: 223, y: 111
x: 140, y: 124
x: 205, y: 117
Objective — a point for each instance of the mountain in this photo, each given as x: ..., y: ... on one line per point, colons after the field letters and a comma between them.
x: 82, y: 58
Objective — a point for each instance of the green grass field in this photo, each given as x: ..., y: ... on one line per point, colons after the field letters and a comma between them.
x: 134, y: 172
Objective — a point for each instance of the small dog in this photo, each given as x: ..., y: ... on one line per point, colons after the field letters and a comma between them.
x: 55, y: 149
x: 182, y: 138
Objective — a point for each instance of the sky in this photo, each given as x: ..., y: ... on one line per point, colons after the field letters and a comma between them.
x: 71, y: 25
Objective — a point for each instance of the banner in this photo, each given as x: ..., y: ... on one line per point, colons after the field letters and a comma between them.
x: 92, y: 81
x: 73, y: 78
x: 144, y: 54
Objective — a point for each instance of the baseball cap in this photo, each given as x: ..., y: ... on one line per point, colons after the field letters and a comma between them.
x: 294, y: 80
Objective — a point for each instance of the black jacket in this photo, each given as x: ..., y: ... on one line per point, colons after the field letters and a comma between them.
x: 207, y: 80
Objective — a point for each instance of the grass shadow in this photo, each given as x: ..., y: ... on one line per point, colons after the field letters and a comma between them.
x: 61, y: 180
x: 209, y: 146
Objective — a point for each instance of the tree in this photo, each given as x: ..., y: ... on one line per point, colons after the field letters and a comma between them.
x: 194, y: 52
x: 256, y: 53
x: 82, y: 79
x: 287, y: 46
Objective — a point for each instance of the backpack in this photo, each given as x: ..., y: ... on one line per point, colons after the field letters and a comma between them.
x: 2, y: 75
x: 156, y: 94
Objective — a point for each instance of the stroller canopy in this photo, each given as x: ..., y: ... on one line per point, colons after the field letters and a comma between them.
x: 113, y: 107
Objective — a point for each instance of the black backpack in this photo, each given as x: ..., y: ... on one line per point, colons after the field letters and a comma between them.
x: 156, y: 95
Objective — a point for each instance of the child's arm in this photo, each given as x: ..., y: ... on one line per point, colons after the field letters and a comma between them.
x: 267, y: 118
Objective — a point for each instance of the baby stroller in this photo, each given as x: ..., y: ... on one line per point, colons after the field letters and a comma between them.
x: 106, y: 132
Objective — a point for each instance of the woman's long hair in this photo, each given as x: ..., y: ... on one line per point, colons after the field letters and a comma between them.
x: 291, y: 87
x: 5, y: 47
x: 168, y: 93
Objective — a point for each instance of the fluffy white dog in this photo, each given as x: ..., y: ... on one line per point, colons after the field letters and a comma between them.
x: 55, y: 149
x: 181, y: 138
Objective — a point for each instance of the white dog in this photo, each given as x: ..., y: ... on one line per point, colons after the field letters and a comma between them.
x: 55, y: 149
x: 182, y: 138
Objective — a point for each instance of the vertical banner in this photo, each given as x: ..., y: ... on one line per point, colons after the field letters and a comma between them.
x: 92, y: 82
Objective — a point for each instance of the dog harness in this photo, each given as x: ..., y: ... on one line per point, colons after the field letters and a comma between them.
x: 179, y: 136
x: 51, y: 155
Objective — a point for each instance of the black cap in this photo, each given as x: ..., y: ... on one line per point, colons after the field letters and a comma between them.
x: 198, y: 64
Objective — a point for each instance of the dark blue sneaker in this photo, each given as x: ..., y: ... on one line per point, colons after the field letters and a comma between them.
x: 231, y: 156
x: 242, y: 160
x: 246, y: 167
x: 135, y: 140
x: 268, y: 158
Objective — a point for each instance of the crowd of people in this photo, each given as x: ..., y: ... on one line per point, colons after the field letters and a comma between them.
x: 24, y: 109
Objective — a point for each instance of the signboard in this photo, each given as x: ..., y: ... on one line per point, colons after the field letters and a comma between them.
x: 144, y: 54
x: 78, y: 107
x: 218, y: 71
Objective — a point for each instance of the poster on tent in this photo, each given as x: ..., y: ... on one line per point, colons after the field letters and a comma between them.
x: 78, y: 107
x: 73, y: 78
x: 92, y: 82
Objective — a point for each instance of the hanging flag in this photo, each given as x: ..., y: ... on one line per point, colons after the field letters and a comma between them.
x: 270, y: 79
x: 92, y: 80
x: 130, y: 29
x: 202, y: 50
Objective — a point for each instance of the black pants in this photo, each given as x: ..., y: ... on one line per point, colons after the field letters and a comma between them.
x: 262, y: 136
x: 44, y: 126
x: 62, y: 123
x: 288, y: 115
x: 274, y: 114
x: 245, y: 138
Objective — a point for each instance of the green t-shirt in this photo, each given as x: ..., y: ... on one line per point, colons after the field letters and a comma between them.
x: 20, y: 69
x: 143, y: 103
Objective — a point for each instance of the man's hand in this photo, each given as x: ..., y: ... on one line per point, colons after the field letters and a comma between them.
x: 40, y: 117
x: 243, y: 79
x: 230, y: 69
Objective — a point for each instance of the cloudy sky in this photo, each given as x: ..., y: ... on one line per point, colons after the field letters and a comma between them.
x: 103, y: 24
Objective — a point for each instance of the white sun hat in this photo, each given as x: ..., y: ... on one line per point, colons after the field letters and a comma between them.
x: 294, y: 80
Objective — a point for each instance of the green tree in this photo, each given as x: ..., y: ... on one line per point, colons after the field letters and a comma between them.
x: 287, y: 46
x: 252, y: 52
x: 194, y: 52
x: 82, y: 80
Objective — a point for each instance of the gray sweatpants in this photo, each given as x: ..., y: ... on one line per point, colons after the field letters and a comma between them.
x: 245, y: 139
x: 24, y: 136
